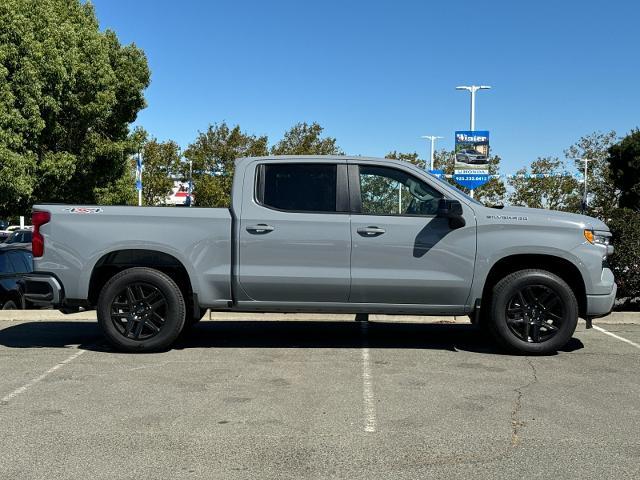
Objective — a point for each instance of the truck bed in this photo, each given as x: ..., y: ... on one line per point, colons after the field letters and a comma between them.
x: 78, y: 236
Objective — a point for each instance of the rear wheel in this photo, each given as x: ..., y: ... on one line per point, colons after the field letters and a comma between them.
x: 141, y: 310
x: 533, y: 312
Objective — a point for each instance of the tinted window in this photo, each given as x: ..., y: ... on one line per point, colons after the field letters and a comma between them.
x: 299, y: 187
x: 387, y: 191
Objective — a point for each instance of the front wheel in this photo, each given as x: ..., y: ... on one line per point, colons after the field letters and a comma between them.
x: 533, y: 312
x: 141, y: 310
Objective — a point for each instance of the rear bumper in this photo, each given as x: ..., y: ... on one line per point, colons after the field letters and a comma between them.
x: 43, y: 290
x: 601, y: 305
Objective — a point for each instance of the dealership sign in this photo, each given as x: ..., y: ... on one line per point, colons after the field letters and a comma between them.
x: 471, y: 168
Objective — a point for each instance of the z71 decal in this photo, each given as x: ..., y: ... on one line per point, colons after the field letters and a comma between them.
x: 508, y: 217
x: 82, y: 209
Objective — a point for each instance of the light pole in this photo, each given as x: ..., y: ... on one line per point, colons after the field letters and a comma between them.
x: 433, y: 139
x: 139, y: 179
x: 190, y: 181
x: 584, y: 198
x: 473, y: 89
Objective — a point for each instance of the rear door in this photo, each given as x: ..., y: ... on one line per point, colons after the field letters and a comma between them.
x: 402, y: 252
x: 294, y: 233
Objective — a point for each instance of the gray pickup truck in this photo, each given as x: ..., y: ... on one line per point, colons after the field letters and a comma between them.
x: 325, y: 234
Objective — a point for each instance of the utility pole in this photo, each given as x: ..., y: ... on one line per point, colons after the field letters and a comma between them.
x: 472, y: 118
x: 433, y: 139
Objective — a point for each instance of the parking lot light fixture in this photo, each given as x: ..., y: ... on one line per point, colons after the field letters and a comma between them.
x: 473, y: 89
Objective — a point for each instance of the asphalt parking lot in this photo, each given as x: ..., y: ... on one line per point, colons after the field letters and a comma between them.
x: 322, y: 398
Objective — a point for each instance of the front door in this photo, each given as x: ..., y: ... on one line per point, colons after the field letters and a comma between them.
x: 402, y: 253
x: 294, y: 236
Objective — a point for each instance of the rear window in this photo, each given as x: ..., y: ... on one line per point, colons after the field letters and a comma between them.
x: 298, y: 187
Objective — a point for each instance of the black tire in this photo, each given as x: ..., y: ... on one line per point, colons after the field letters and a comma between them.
x: 141, y: 310
x: 533, y: 312
x: 9, y: 305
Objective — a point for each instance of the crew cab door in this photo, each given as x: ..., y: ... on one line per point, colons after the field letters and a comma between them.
x: 294, y: 233
x: 402, y: 253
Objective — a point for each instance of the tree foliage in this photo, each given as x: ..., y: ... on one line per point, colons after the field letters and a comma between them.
x: 412, y: 158
x: 161, y: 162
x: 624, y: 161
x: 305, y: 139
x: 68, y: 93
x: 561, y: 192
x: 625, y: 262
x: 213, y: 154
x: 603, y: 195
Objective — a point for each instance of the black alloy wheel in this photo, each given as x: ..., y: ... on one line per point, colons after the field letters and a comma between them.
x: 535, y: 313
x: 139, y: 311
x: 532, y: 311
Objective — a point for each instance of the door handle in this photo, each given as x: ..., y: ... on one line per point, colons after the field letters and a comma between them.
x: 370, y: 231
x: 260, y: 228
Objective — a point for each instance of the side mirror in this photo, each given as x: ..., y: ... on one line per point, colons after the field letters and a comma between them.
x: 451, y: 209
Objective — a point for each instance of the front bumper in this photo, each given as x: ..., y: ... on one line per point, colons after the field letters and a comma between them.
x: 43, y: 290
x: 601, y: 305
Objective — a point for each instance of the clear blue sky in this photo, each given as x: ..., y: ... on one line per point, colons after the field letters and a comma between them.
x: 378, y: 74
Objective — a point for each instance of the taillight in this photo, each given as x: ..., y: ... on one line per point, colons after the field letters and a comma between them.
x: 38, y: 219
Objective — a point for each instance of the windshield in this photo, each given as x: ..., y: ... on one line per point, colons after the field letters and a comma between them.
x: 450, y: 185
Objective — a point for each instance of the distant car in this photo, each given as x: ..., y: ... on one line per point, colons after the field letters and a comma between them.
x: 13, y: 263
x: 470, y: 157
x: 19, y: 238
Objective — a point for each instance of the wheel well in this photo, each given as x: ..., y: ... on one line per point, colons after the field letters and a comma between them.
x: 15, y: 297
x: 559, y: 266
x: 115, y: 262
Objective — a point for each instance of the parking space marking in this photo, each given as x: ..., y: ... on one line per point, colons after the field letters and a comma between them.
x: 38, y: 379
x: 368, y: 399
x: 618, y: 337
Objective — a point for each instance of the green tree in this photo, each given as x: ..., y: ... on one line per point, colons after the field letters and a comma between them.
x: 555, y: 192
x: 305, y: 139
x: 625, y: 263
x: 161, y: 160
x: 624, y: 161
x: 413, y: 158
x: 603, y: 194
x: 493, y: 192
x: 213, y: 154
x: 68, y: 94
x: 122, y: 191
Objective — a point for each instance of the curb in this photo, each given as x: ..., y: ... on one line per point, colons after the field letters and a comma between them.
x: 54, y: 315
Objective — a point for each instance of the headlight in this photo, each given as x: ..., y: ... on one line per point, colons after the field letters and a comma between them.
x: 598, y: 238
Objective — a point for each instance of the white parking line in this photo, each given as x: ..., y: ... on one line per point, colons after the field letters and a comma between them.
x: 368, y: 399
x: 618, y: 337
x: 31, y: 383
